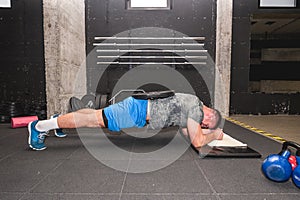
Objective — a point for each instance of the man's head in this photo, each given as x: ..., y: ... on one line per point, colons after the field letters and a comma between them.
x: 212, y: 118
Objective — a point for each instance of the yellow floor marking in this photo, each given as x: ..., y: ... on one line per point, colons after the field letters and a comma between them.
x: 262, y: 132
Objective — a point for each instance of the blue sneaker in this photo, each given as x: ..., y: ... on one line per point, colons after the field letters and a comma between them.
x: 58, y: 132
x: 36, y: 139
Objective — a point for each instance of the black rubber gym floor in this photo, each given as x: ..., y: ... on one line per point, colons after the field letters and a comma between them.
x: 66, y: 170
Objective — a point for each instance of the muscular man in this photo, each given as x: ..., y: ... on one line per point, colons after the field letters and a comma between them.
x: 197, y: 121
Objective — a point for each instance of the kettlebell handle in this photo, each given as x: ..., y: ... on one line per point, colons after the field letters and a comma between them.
x: 286, y: 144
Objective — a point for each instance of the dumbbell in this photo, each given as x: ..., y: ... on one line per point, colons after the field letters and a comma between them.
x: 88, y: 101
x: 278, y: 167
x: 101, y: 101
x: 75, y: 104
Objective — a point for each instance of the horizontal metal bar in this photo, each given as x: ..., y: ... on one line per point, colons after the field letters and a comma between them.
x: 152, y: 50
x: 154, y: 57
x: 113, y: 99
x: 149, y: 44
x: 151, y: 63
x: 149, y: 38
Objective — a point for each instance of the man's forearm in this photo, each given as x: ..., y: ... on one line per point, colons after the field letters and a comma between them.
x: 210, y: 137
x: 207, y: 138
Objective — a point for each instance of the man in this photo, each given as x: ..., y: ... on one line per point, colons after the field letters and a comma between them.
x: 197, y: 121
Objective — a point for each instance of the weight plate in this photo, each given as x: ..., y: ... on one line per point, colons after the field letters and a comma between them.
x: 98, y: 96
x: 75, y: 104
x: 103, y: 101
x: 88, y: 101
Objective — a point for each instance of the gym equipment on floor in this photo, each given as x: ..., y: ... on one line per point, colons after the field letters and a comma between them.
x: 75, y: 104
x: 142, y: 94
x: 154, y: 95
x: 17, y: 122
x: 229, y: 147
x: 226, y: 152
x: 89, y: 101
x: 101, y: 101
x: 279, y: 167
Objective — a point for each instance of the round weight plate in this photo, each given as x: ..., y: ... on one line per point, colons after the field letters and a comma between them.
x: 103, y: 101
x: 75, y: 104
x: 88, y: 101
x: 97, y: 102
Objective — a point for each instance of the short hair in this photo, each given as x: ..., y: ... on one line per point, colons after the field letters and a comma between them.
x: 219, y: 121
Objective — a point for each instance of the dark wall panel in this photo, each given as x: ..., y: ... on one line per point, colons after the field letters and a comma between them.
x: 110, y: 17
x: 259, y: 103
x: 241, y: 72
x: 22, y: 71
x: 193, y: 18
x: 275, y: 71
x: 270, y: 70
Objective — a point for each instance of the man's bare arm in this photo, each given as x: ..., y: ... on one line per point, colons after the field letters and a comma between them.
x: 200, y: 137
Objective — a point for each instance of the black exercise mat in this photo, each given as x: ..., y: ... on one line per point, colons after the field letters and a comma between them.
x: 227, y: 152
x: 224, y: 152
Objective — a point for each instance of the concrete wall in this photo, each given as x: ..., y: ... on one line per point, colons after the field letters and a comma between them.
x: 223, y: 55
x: 64, y: 42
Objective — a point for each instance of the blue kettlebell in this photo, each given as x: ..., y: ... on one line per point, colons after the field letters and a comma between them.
x: 296, y: 172
x: 276, y: 167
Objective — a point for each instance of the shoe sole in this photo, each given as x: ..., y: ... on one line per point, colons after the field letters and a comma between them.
x: 29, y: 139
x: 60, y: 136
x: 55, y: 132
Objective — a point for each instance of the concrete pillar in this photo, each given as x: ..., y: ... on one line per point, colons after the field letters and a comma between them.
x: 64, y: 43
x: 223, y: 55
